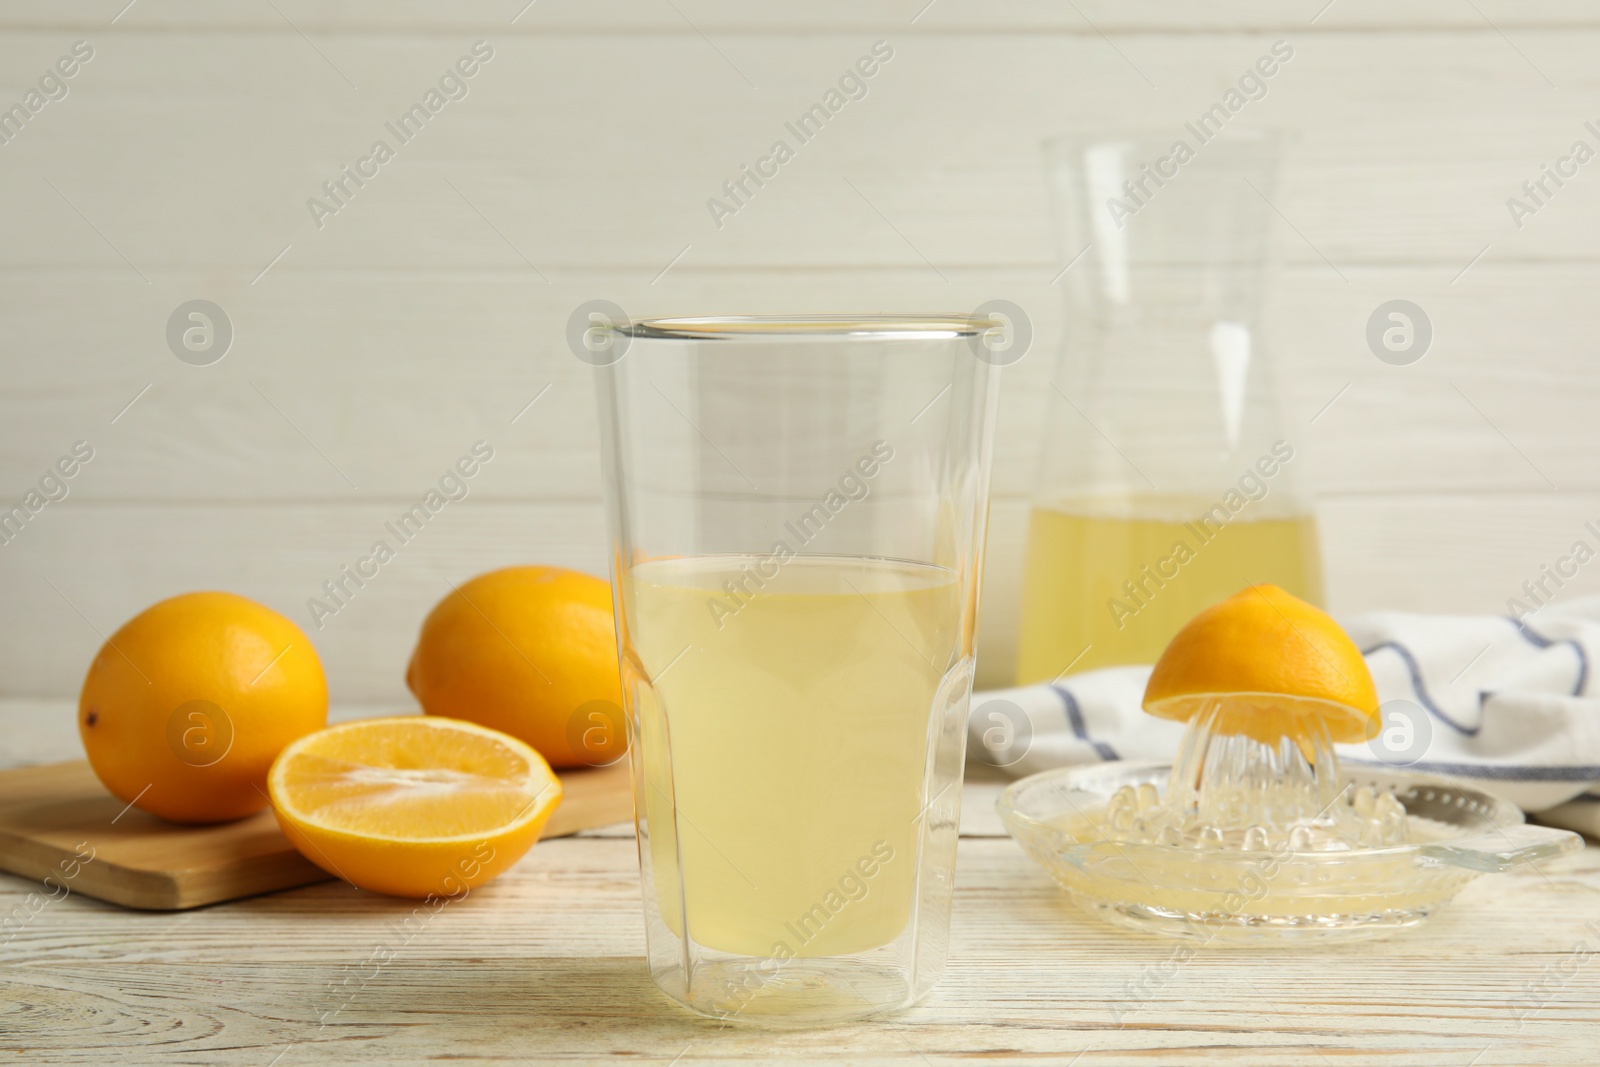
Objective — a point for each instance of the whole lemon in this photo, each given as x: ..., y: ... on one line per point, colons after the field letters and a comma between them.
x: 185, y: 708
x: 531, y: 652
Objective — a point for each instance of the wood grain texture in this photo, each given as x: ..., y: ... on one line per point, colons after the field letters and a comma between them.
x: 1407, y: 145
x: 424, y: 315
x: 60, y: 826
x: 1083, y: 17
x: 429, y: 311
x: 1459, y: 552
x: 1494, y: 407
x: 545, y: 965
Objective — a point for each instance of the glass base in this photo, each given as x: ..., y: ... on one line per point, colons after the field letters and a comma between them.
x: 788, y: 993
x: 1222, y: 928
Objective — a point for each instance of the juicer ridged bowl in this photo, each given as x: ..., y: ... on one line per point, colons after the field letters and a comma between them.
x: 1277, y: 895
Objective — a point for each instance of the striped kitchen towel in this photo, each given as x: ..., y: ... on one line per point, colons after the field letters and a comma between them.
x: 1512, y: 704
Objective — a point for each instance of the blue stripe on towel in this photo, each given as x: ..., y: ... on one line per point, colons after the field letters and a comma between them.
x: 1496, y: 772
x: 1540, y: 641
x: 1079, y: 730
x: 1420, y: 689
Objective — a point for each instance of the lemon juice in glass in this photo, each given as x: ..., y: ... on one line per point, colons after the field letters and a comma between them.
x: 797, y: 510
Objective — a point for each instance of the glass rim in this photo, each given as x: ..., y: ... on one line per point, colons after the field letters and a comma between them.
x: 927, y: 327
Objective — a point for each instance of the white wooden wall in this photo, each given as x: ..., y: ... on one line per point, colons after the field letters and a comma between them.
x: 428, y: 312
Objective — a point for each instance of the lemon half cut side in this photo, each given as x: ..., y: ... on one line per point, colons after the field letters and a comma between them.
x: 412, y: 806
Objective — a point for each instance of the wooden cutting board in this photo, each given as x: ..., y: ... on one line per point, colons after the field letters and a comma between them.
x: 53, y: 816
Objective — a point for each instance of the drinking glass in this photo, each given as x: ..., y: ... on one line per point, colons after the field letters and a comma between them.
x: 1168, y: 480
x: 797, y: 512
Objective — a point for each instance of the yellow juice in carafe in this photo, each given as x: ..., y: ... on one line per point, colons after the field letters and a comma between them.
x: 1121, y: 586
x: 786, y: 742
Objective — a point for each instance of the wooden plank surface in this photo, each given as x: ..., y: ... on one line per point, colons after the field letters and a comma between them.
x: 1083, y: 17
x: 426, y: 314
x: 179, y: 165
x: 59, y: 825
x: 212, y: 434
x: 1458, y: 552
x: 545, y: 965
x: 1408, y: 145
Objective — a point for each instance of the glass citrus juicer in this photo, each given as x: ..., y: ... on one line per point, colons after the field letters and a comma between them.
x: 1255, y: 833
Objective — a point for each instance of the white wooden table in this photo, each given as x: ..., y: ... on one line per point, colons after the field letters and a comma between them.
x: 546, y: 965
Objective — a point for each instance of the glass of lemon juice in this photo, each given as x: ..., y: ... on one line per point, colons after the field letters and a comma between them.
x: 797, y: 512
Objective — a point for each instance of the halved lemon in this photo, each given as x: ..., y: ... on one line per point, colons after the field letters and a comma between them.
x: 412, y: 806
x: 1264, y: 659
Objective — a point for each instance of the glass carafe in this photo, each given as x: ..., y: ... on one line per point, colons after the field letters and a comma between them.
x: 1167, y: 479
